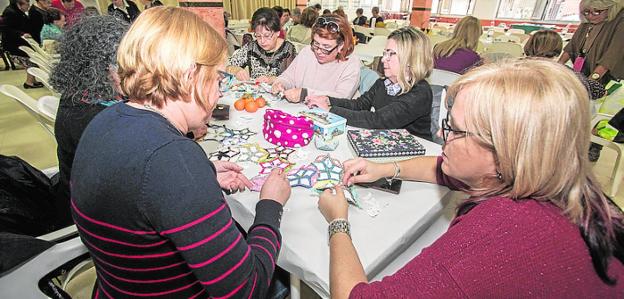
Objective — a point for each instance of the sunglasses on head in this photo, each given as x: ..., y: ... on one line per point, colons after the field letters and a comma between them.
x: 328, y: 23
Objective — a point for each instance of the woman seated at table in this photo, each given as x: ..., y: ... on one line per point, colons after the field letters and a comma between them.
x: 84, y: 78
x: 402, y: 99
x: 326, y: 67
x: 537, y: 223
x: 548, y: 44
x: 302, y: 32
x: 266, y: 57
x: 458, y: 54
x: 147, y: 202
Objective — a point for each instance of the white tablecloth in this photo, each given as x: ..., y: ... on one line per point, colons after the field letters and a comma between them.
x: 305, y: 252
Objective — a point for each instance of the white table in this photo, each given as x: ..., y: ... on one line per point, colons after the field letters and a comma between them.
x: 305, y: 252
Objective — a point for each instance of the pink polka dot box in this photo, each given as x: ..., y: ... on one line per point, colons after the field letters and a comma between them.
x: 283, y: 129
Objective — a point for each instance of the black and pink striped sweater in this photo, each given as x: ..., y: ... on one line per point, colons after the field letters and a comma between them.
x: 148, y: 207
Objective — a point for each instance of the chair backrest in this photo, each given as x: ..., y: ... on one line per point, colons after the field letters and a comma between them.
x: 30, y: 52
x: 382, y: 31
x: 42, y: 76
x: 48, y: 106
x: 510, y: 49
x: 367, y: 79
x: 439, y: 81
x: 35, y: 46
x: 31, y: 105
x: 46, y: 67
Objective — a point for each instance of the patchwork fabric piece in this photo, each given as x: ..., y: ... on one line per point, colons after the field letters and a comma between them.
x: 227, y: 136
x: 268, y: 165
x: 225, y: 154
x: 329, y: 171
x: 257, y: 182
x: 279, y: 152
x: 251, y: 152
x: 218, y: 133
x: 303, y: 177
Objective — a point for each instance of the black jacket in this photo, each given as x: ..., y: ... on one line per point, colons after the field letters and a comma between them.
x: 36, y: 18
x: 15, y: 24
x: 129, y: 16
x: 411, y: 111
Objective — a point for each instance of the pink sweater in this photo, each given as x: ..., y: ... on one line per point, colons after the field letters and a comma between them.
x: 339, y: 79
x: 501, y: 249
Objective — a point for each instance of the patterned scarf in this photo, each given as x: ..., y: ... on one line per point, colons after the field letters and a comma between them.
x: 392, y: 89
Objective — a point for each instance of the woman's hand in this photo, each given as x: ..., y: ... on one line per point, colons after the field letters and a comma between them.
x: 266, y: 79
x: 293, y: 95
x: 317, y: 101
x: 362, y: 171
x: 230, y: 176
x: 277, y: 87
x: 276, y: 187
x: 242, y: 75
x: 333, y: 204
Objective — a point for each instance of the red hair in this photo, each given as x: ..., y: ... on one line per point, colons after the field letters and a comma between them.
x: 344, y: 35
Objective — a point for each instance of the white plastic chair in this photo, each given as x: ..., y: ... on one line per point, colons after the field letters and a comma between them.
x: 48, y: 106
x: 495, y: 51
x: 31, y: 105
x: 439, y: 110
x: 35, y: 46
x: 43, y: 77
x: 618, y: 172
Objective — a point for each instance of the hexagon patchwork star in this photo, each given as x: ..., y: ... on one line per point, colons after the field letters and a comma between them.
x: 251, y: 152
x: 279, y: 152
x: 303, y: 177
x: 225, y: 154
x: 329, y: 169
x: 268, y: 165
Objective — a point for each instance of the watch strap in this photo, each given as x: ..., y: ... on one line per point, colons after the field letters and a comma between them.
x: 338, y: 226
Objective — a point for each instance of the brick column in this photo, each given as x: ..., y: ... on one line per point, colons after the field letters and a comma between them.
x: 301, y: 4
x: 210, y: 11
x: 421, y: 11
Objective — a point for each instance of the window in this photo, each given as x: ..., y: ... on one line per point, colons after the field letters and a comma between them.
x: 562, y: 10
x: 512, y: 9
x: 452, y: 7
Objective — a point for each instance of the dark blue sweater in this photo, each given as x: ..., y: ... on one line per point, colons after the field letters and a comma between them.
x: 150, y: 210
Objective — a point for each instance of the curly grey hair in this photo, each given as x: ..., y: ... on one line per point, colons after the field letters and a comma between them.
x: 88, y: 50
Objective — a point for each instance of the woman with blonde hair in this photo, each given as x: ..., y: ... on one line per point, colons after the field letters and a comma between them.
x: 458, y: 54
x: 147, y: 202
x: 402, y: 100
x: 537, y: 223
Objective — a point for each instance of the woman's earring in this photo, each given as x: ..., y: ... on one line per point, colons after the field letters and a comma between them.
x: 499, y: 176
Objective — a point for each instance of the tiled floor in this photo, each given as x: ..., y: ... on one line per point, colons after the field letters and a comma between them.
x: 22, y: 136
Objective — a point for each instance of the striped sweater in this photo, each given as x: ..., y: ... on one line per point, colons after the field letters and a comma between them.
x: 148, y: 207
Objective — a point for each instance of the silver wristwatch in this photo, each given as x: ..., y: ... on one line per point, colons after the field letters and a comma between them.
x: 338, y: 226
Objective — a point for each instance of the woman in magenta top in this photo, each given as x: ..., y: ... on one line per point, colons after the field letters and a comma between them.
x: 458, y: 53
x: 537, y: 223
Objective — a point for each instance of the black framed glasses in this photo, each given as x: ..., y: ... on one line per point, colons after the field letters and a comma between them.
x: 446, y: 130
x: 328, y: 23
x: 315, y: 46
x: 587, y: 12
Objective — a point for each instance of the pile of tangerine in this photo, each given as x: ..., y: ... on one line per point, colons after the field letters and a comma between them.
x: 249, y: 104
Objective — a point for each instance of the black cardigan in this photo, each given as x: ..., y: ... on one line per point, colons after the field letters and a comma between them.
x: 411, y: 111
x: 15, y: 25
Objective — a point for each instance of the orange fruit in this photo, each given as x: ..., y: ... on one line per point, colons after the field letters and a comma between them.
x: 239, y: 104
x: 247, y: 100
x: 261, y: 102
x: 251, y: 107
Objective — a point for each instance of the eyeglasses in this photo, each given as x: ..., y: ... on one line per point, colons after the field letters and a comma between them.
x: 446, y: 130
x: 328, y: 23
x: 387, y: 54
x: 593, y: 12
x: 264, y: 36
x: 315, y: 46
